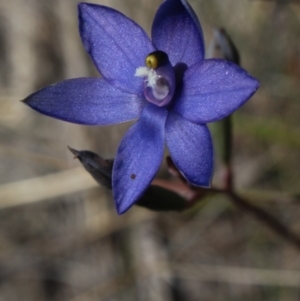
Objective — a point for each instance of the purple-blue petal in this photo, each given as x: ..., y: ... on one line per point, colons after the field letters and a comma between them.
x: 116, y: 44
x: 191, y: 149
x: 214, y: 89
x: 139, y: 157
x: 90, y: 101
x: 177, y: 31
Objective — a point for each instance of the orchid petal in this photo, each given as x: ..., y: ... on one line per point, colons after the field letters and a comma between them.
x: 139, y: 157
x: 214, y: 89
x: 117, y: 45
x: 191, y: 149
x: 177, y: 31
x: 90, y: 101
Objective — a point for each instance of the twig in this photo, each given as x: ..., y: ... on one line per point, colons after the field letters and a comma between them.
x: 281, y: 1
x: 45, y: 187
x: 106, y: 289
x: 231, y: 274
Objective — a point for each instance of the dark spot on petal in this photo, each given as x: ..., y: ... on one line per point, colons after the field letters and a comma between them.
x: 133, y: 176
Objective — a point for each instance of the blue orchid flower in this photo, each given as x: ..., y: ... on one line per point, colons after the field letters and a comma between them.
x: 165, y: 83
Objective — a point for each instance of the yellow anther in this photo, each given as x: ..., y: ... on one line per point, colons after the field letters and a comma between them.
x: 156, y: 59
x: 151, y: 61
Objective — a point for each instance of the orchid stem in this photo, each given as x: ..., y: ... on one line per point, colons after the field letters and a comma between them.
x: 266, y: 218
x: 227, y: 153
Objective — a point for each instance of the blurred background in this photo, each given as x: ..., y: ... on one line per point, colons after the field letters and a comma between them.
x: 60, y: 237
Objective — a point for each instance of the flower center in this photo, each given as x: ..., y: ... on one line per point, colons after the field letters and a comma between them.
x: 159, y: 78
